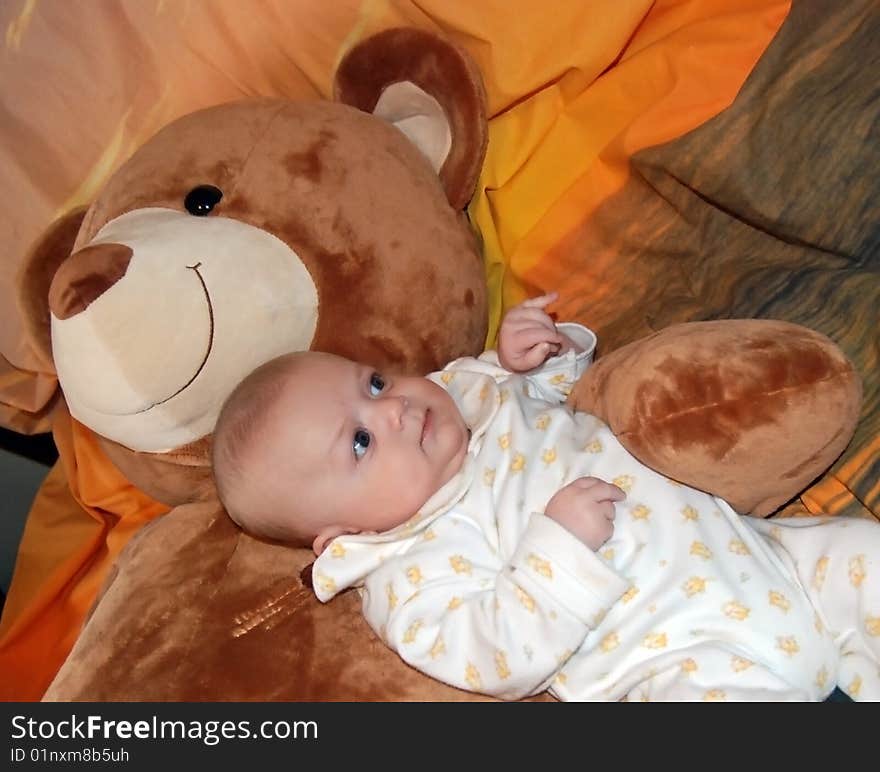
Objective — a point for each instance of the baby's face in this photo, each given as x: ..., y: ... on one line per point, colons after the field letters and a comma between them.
x: 370, y: 449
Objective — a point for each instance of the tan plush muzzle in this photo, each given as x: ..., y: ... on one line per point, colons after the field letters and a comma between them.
x: 148, y: 334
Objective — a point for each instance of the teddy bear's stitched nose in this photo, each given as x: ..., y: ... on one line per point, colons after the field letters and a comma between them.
x: 85, y: 276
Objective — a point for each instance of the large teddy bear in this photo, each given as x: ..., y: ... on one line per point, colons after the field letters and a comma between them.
x: 261, y: 227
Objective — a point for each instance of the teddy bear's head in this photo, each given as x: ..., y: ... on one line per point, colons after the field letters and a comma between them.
x: 256, y: 228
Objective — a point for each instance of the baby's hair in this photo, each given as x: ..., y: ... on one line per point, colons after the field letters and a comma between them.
x: 243, y: 422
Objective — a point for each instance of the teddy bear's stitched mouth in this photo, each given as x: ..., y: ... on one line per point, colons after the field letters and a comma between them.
x: 194, y: 269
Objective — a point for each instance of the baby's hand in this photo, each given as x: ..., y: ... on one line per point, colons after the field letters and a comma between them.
x: 585, y: 507
x: 528, y: 335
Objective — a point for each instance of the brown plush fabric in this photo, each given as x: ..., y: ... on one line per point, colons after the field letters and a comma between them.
x: 441, y: 70
x: 199, y: 611
x: 758, y: 407
x: 38, y: 270
x: 181, y: 476
x: 85, y: 276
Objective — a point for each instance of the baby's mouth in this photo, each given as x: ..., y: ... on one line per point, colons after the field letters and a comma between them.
x: 426, y: 426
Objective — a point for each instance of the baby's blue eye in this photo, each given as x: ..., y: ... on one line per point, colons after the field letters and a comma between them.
x: 361, y: 443
x: 377, y: 384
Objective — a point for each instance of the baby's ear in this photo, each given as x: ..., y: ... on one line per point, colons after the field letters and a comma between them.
x: 326, y: 535
x: 429, y: 89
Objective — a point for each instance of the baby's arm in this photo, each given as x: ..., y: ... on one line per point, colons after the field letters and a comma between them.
x: 551, y: 356
x: 452, y: 608
x: 528, y: 336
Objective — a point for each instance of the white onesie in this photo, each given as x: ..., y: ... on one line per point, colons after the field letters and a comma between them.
x: 687, y: 600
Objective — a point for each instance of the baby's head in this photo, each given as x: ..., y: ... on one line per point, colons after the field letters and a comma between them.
x: 310, y: 446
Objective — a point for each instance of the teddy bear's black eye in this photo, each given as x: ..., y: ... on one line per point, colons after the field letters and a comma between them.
x: 202, y: 199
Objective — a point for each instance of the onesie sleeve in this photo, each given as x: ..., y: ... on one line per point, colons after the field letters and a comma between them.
x: 553, y: 381
x: 454, y: 610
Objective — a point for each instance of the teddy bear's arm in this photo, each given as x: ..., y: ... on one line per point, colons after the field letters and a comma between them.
x: 748, y: 410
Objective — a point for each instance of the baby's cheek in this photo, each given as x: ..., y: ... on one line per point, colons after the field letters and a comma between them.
x: 404, y: 496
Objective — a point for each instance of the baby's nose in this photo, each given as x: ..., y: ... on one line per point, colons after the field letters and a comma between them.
x: 394, y: 408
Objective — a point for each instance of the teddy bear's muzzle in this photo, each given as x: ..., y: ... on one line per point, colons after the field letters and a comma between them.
x: 147, y: 332
x: 85, y: 276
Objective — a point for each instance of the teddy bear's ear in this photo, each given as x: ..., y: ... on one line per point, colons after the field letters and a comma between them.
x: 46, y: 255
x: 429, y: 89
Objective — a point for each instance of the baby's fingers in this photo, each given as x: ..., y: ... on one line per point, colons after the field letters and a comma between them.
x: 529, y: 317
x: 611, y: 492
x: 529, y: 337
x: 529, y: 358
x: 599, y: 489
x: 542, y: 301
x: 608, y: 510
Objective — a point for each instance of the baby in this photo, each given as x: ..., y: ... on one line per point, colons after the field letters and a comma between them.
x: 473, y: 509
